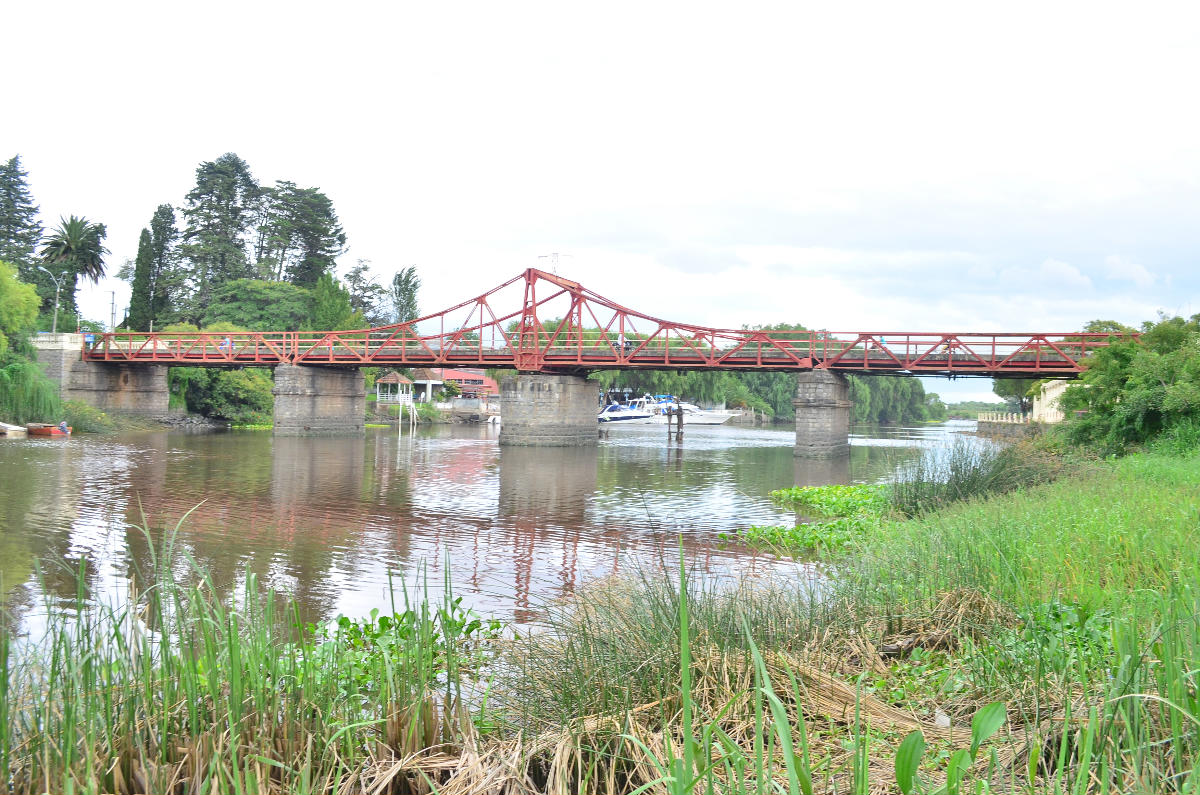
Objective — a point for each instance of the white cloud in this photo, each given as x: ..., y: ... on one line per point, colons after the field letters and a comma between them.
x: 1052, y: 274
x: 1122, y: 269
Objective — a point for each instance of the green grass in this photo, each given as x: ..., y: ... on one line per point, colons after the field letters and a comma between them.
x: 1103, y: 538
x: 1088, y: 604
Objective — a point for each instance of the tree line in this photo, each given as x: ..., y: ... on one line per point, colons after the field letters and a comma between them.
x: 233, y: 251
x: 256, y: 256
x: 234, y: 255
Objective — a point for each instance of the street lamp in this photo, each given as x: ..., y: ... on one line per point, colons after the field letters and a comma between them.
x: 57, y: 289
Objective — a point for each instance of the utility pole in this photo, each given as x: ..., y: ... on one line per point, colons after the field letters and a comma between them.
x: 553, y: 260
x: 57, y: 290
x: 112, y: 324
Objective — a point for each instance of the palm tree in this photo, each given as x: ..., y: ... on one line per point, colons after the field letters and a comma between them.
x: 75, y: 248
x: 77, y: 245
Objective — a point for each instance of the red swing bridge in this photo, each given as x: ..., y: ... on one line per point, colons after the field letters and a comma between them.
x: 538, y: 322
x: 553, y: 332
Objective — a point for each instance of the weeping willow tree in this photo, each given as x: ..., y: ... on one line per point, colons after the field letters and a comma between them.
x: 27, y: 395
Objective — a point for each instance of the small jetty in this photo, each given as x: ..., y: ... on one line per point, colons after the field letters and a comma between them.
x: 12, y: 431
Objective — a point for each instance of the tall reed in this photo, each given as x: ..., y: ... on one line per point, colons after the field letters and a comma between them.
x: 174, y: 691
x: 967, y: 469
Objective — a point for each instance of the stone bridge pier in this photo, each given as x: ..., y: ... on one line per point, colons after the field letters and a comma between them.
x: 823, y: 406
x: 319, y: 401
x: 136, y: 389
x: 548, y: 411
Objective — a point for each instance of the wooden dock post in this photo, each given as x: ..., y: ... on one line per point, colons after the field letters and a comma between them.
x: 675, y: 416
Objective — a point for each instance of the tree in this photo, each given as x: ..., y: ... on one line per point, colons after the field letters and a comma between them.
x: 1015, y: 391
x: 155, y: 277
x: 299, y: 235
x: 166, y: 279
x: 367, y: 297
x: 139, y: 302
x: 76, y: 247
x: 20, y: 230
x: 331, y: 307
x: 219, y: 210
x: 260, y: 306
x: 403, y: 293
x: 18, y: 306
x: 1134, y: 390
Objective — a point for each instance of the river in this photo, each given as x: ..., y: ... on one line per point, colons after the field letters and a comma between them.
x: 333, y: 521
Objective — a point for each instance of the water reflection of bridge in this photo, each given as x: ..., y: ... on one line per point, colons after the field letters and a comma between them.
x: 327, y: 519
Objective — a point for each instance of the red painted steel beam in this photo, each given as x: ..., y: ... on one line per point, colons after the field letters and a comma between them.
x: 540, y: 322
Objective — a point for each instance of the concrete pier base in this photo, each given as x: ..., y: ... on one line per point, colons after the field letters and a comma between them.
x: 137, y: 389
x: 548, y: 411
x: 319, y: 401
x: 822, y: 415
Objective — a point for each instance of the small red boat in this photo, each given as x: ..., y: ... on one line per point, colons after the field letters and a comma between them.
x: 45, y: 429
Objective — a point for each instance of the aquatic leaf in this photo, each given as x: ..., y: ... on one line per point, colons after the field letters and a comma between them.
x: 956, y: 768
x: 987, y: 721
x: 908, y: 759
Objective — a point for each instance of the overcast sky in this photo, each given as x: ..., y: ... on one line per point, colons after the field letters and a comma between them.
x: 894, y: 167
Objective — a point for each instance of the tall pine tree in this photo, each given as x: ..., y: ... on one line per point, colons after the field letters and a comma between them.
x: 166, y: 278
x: 20, y: 230
x: 140, y: 313
x: 219, y: 210
x: 299, y: 235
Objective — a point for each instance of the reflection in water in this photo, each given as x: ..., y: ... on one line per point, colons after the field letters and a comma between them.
x: 821, y: 471
x: 543, y: 497
x: 334, y: 521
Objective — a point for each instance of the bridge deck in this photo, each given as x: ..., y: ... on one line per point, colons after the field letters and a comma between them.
x: 589, y: 332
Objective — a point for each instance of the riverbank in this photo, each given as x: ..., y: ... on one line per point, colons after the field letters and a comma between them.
x: 1073, y: 604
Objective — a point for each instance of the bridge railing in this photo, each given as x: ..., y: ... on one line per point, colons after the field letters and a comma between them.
x: 241, y: 347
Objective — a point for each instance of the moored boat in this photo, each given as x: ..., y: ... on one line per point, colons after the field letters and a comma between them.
x: 45, y: 429
x: 632, y: 413
x: 692, y: 414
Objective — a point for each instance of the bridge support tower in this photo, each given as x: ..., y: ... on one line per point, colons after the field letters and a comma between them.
x: 823, y: 406
x: 548, y: 411
x: 136, y: 389
x: 319, y: 401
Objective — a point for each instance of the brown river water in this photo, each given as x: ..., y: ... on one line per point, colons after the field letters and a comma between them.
x: 334, y: 521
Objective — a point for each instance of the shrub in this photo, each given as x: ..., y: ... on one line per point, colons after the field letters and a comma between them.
x: 82, y: 417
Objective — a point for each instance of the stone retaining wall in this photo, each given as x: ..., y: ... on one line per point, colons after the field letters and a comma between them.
x: 136, y: 389
x: 1008, y: 431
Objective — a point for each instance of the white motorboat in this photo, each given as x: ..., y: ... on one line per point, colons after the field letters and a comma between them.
x: 632, y: 413
x: 692, y: 414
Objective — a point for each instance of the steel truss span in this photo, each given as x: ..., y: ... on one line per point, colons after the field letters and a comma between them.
x: 540, y: 323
